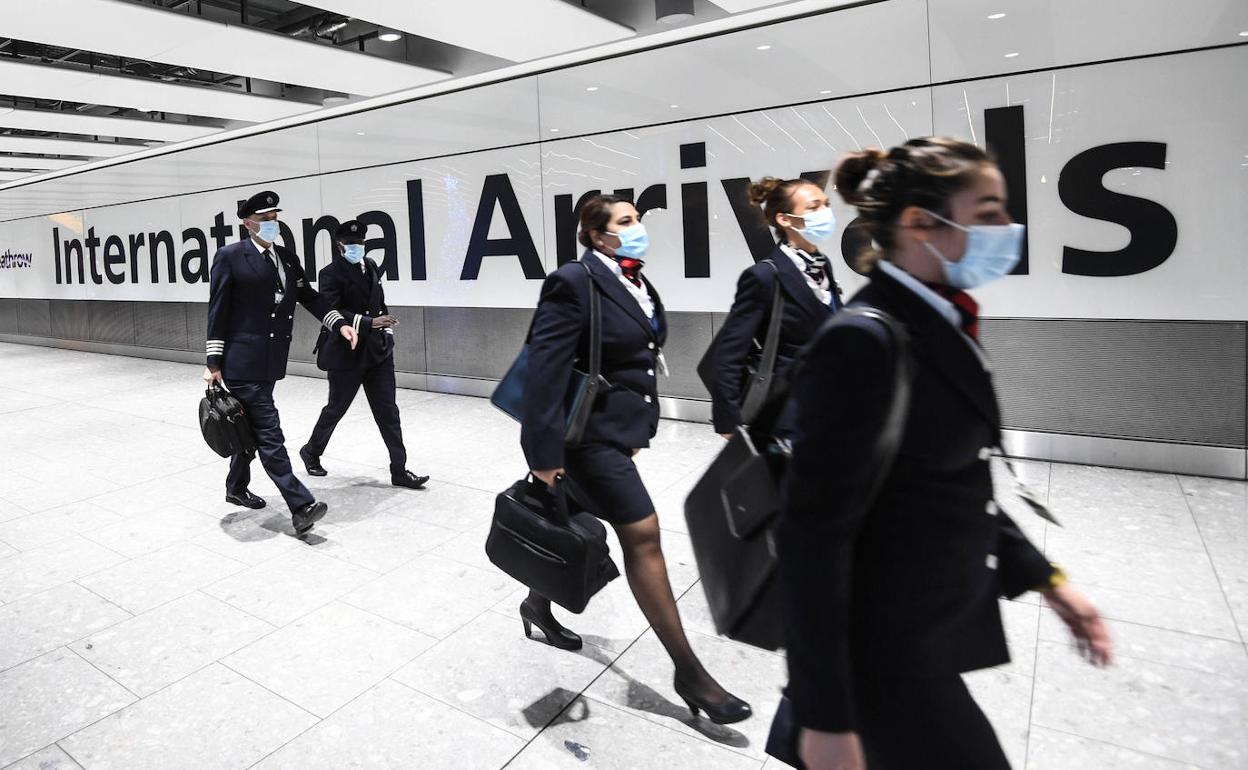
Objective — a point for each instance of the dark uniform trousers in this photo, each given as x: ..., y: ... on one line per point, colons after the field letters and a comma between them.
x: 379, y: 389
x: 355, y: 290
x: 251, y: 311
x: 257, y: 399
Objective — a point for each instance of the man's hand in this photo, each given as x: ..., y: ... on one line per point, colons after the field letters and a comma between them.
x: 385, y: 322
x: 348, y: 334
x: 211, y: 376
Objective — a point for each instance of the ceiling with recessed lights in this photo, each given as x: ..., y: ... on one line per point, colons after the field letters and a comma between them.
x: 82, y: 80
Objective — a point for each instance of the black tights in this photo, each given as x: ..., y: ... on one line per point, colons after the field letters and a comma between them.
x: 647, y: 576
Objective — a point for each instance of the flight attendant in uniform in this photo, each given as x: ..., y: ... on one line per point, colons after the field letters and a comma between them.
x: 888, y: 602
x: 252, y: 292
x: 625, y: 416
x: 352, y: 285
x: 797, y: 210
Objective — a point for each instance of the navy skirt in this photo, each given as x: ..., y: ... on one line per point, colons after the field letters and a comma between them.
x: 606, y: 482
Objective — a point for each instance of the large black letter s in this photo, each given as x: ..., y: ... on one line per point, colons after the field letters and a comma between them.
x: 1153, y: 229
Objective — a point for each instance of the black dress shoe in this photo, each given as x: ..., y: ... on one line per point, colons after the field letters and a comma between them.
x: 245, y: 499
x: 556, y: 634
x: 305, y: 517
x: 311, y: 462
x: 408, y: 479
x: 731, y: 710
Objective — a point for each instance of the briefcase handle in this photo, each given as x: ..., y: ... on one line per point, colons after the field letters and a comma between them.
x: 557, y: 495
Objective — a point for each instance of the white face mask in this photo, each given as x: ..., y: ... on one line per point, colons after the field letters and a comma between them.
x: 268, y: 230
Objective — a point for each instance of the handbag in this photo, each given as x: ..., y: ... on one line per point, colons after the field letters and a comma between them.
x: 582, y: 388
x: 760, y: 369
x: 224, y: 424
x: 785, y: 732
x: 732, y: 510
x: 547, y: 542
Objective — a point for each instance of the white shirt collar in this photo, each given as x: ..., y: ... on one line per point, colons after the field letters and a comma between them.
x: 611, y: 264
x: 941, y: 305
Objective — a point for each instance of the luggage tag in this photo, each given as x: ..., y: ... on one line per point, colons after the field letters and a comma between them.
x: 1028, y: 495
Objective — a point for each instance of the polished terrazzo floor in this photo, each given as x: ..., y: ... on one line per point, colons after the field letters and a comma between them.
x: 145, y: 623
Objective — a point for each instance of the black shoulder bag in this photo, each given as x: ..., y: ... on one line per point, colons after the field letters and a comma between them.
x: 782, y: 740
x: 583, y: 387
x: 761, y: 370
x: 733, y: 508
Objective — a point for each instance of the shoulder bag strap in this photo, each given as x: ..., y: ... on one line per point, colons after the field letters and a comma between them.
x: 595, y: 330
x: 756, y: 393
x: 894, y: 427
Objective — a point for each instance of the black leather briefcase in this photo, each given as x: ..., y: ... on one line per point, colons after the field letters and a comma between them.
x: 224, y: 423
x: 543, y: 539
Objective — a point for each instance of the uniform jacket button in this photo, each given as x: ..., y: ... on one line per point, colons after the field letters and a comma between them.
x: 272, y: 315
x: 650, y: 372
x: 290, y: 318
x: 991, y: 561
x: 650, y: 346
x: 270, y: 334
x: 648, y: 399
x: 992, y: 508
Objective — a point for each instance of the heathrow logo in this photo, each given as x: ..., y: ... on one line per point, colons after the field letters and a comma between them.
x: 11, y: 261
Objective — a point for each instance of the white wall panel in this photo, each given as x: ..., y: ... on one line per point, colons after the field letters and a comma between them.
x: 490, y: 116
x: 782, y: 142
x: 859, y: 50
x: 1047, y: 33
x: 1188, y: 103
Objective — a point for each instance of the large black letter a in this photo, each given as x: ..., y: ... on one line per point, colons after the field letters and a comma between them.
x: 497, y: 189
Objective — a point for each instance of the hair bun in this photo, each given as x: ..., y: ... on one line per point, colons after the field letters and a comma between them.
x: 853, y: 170
x: 760, y: 190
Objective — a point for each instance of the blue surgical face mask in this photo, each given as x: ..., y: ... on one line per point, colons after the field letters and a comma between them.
x: 633, y: 242
x: 353, y: 252
x: 820, y: 225
x: 992, y: 251
x: 268, y: 231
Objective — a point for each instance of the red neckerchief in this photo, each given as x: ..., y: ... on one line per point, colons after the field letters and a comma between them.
x: 968, y: 308
x: 631, y: 268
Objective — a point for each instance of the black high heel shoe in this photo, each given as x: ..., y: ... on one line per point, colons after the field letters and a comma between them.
x: 733, y: 709
x: 556, y: 634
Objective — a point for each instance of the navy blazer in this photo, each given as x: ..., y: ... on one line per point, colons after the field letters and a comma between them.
x: 626, y: 414
x: 248, y: 331
x: 910, y: 586
x: 359, y: 296
x: 747, y: 322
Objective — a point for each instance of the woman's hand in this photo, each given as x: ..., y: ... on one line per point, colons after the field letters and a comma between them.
x: 830, y: 751
x: 211, y: 376
x: 1091, y: 636
x: 726, y: 436
x: 548, y: 477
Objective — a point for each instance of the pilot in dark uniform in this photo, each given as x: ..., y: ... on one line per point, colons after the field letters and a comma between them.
x: 352, y: 285
x: 251, y: 309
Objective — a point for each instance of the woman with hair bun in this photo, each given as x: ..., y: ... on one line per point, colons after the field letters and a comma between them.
x: 600, y: 469
x: 797, y: 210
x: 888, y: 601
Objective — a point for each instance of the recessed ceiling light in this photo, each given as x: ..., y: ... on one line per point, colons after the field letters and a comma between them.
x: 995, y: 16
x: 826, y: 91
x: 1244, y: 33
x: 592, y: 88
x: 674, y: 106
x: 554, y: 130
x: 763, y: 47
x: 1011, y: 55
x: 359, y: 133
x: 389, y: 36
